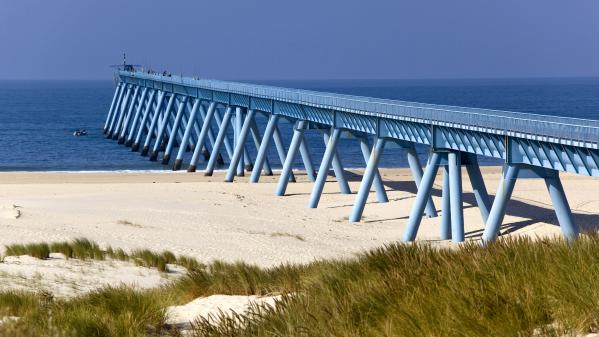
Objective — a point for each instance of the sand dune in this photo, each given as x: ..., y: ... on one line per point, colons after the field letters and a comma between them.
x: 209, y: 219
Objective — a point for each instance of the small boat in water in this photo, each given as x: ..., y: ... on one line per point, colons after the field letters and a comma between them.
x: 78, y: 133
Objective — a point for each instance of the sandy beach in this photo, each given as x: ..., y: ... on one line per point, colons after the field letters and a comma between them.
x: 209, y: 219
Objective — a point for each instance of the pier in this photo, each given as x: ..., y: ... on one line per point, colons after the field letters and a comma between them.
x: 162, y: 117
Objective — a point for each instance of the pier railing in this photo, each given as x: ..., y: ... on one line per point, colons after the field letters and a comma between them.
x: 495, y: 121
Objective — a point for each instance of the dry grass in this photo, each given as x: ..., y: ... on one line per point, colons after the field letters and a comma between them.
x: 515, y: 287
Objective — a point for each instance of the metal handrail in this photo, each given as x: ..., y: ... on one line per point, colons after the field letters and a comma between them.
x: 503, y: 122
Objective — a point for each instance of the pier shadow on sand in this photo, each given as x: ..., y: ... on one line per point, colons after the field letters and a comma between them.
x: 588, y: 222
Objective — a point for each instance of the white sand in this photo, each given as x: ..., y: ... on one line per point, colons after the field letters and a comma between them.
x: 212, y: 307
x: 209, y: 219
x: 66, y: 278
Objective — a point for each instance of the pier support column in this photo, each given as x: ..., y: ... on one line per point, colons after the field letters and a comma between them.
x: 323, y: 171
x: 218, y: 142
x: 422, y: 197
x: 446, y: 207
x: 152, y: 126
x: 562, y: 209
x: 117, y: 108
x: 455, y: 191
x: 273, y: 120
x: 117, y: 92
x: 226, y: 142
x: 121, y: 111
x: 238, y: 125
x: 175, y: 131
x: 136, y: 102
x: 280, y: 146
x: 478, y: 186
x: 162, y: 126
x: 370, y: 175
x: 240, y: 146
x: 503, y: 195
x: 257, y: 142
x: 298, y: 134
x: 128, y: 133
x: 307, y: 159
x: 381, y: 194
x: 144, y: 120
x: 337, y: 167
x: 199, y: 145
x: 188, y: 131
x: 416, y: 169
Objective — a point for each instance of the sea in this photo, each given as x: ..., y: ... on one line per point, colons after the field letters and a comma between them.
x: 38, y: 118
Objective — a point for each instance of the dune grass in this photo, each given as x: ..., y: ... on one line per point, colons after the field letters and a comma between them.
x: 515, y: 287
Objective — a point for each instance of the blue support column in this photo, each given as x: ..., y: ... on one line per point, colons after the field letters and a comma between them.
x: 455, y: 191
x: 281, y: 150
x: 381, y: 194
x: 446, y: 207
x: 153, y: 122
x: 162, y: 126
x: 478, y: 187
x: 119, y: 133
x: 174, y: 132
x: 307, y: 159
x: 117, y: 109
x: 257, y: 142
x: 112, y: 105
x: 263, y: 150
x: 369, y: 175
x: 121, y: 111
x: 188, y: 130
x: 503, y: 195
x: 240, y: 146
x: 128, y: 134
x: 211, y: 137
x: 226, y: 141
x: 222, y: 132
x: 298, y: 134
x: 202, y: 137
x: 422, y: 197
x: 323, y: 171
x: 337, y: 167
x: 144, y: 120
x: 562, y: 209
x: 416, y: 169
x: 239, y: 113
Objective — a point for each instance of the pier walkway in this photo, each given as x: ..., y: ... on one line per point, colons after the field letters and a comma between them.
x: 169, y: 115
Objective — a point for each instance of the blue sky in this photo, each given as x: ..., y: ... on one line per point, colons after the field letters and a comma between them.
x: 307, y: 39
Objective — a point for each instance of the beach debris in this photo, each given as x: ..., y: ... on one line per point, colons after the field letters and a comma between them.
x: 11, y: 212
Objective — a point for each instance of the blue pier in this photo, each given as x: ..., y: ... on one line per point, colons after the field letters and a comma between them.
x: 172, y: 114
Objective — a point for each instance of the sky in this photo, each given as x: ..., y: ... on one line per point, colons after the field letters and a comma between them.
x: 307, y: 39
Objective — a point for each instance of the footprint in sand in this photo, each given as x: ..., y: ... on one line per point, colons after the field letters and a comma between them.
x: 10, y: 212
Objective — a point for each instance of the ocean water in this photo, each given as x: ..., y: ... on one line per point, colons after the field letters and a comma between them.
x: 37, y: 118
